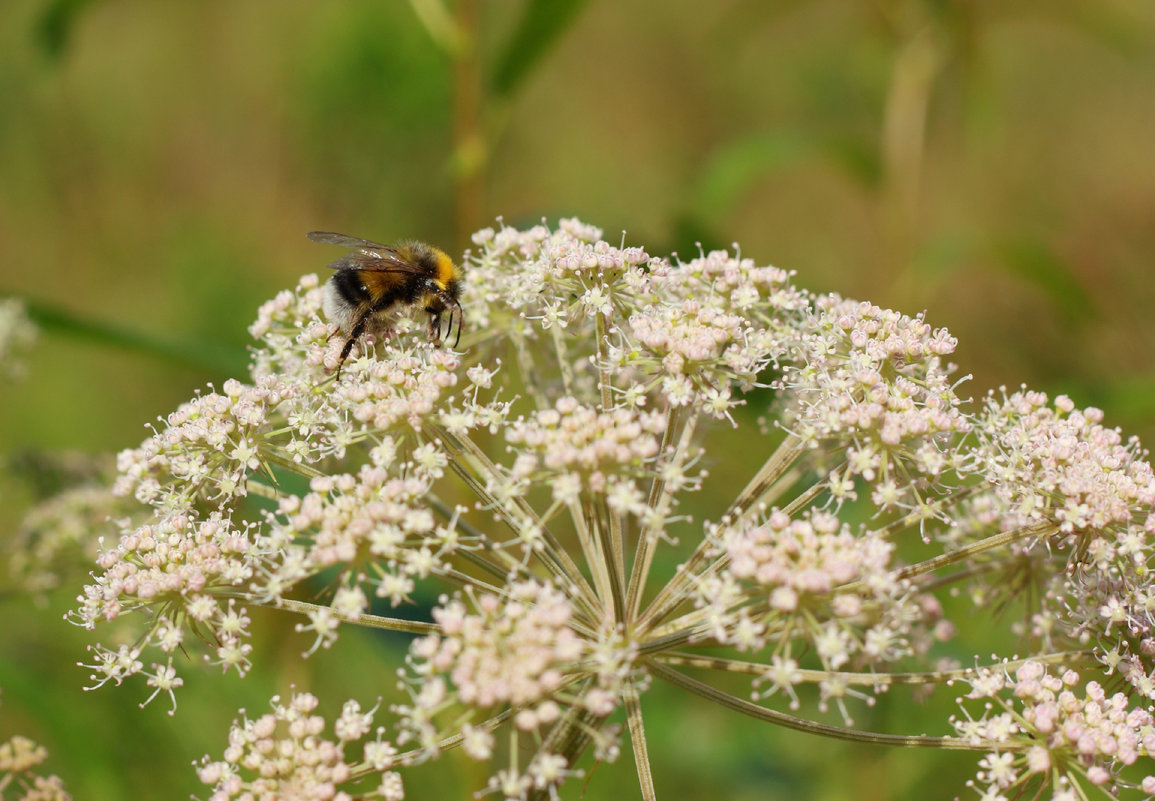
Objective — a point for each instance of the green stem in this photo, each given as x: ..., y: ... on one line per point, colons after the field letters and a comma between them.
x: 563, y: 359
x: 775, y: 466
x: 638, y: 739
x: 608, y: 533
x: 812, y: 727
x: 568, y: 739
x: 470, y: 555
x: 363, y: 619
x: 440, y: 25
x: 418, y: 755
x: 680, y: 424
x: 470, y: 143
x: 470, y: 463
x: 967, y: 551
x: 673, y: 592
x: 517, y: 512
x: 591, y: 549
x: 210, y: 357
x: 613, y: 545
x: 871, y: 679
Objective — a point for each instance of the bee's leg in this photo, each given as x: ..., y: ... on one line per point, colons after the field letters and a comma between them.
x: 345, y: 351
x: 434, y: 326
x: 354, y: 335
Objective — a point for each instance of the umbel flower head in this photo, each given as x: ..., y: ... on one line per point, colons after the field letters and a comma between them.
x: 17, y: 334
x: 539, y: 482
x: 20, y: 780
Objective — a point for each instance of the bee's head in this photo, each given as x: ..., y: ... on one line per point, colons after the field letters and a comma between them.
x: 439, y: 300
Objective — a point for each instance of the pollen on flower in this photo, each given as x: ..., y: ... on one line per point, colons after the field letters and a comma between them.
x: 872, y: 381
x: 1063, y: 462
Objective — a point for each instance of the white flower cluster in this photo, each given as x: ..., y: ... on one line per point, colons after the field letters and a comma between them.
x: 1040, y: 724
x: 19, y: 781
x: 17, y: 334
x: 284, y: 754
x: 540, y: 481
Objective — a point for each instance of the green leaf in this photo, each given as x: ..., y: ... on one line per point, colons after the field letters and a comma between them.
x: 540, y: 27
x: 56, y: 22
x: 689, y: 232
x: 1128, y: 396
x: 738, y: 164
x: 210, y: 356
x: 1037, y: 263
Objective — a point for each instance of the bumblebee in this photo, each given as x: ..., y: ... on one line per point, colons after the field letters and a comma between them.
x: 374, y: 284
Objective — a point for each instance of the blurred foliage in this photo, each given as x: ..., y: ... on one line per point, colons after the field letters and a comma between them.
x: 56, y: 22
x: 542, y: 23
x: 987, y: 162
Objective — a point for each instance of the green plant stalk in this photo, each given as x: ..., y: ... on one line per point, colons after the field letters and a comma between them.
x: 212, y: 357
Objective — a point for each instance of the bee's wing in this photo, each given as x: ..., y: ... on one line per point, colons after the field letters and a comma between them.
x: 342, y: 240
x: 367, y: 255
x: 371, y: 263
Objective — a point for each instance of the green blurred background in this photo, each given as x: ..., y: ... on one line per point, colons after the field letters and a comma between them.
x: 988, y: 162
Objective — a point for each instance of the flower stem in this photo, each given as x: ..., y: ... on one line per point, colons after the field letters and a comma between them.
x: 362, y: 619
x: 812, y: 727
x: 990, y: 543
x: 417, y: 755
x: 638, y: 739
x: 569, y: 738
x: 470, y: 464
x: 775, y: 466
x: 563, y: 360
x: 872, y: 679
x: 680, y: 424
x: 202, y: 356
x: 673, y: 592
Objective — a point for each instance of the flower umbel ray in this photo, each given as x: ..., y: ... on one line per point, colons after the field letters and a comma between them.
x: 543, y: 482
